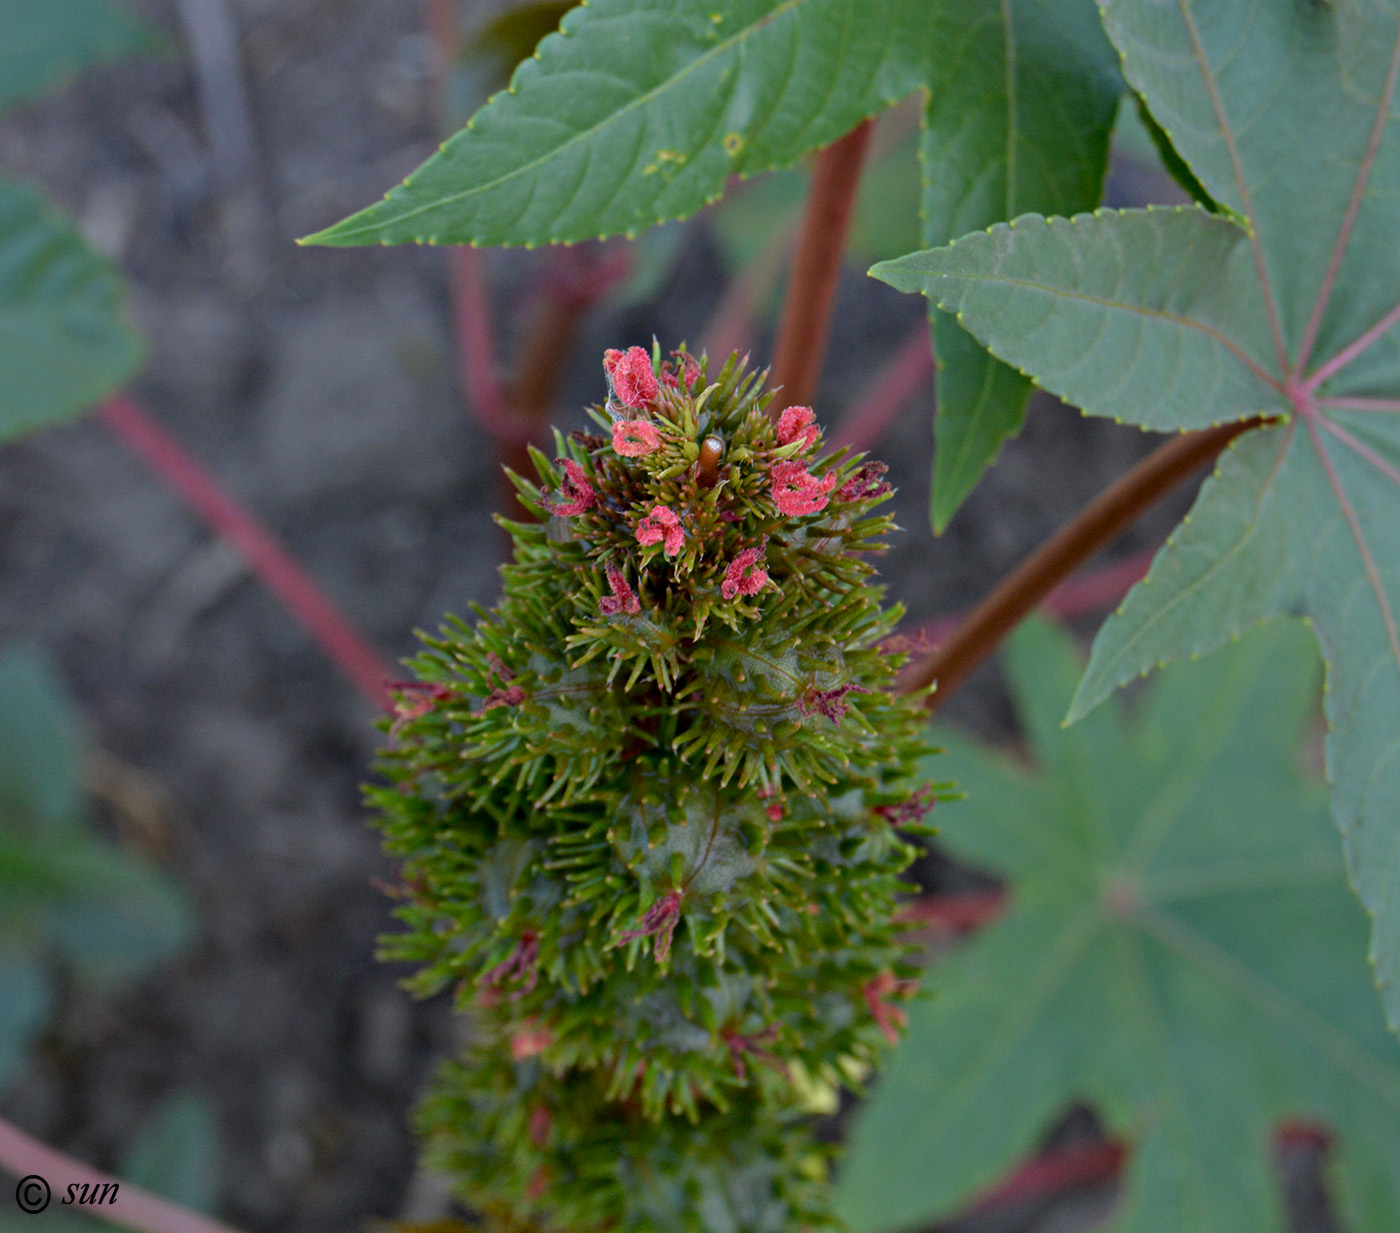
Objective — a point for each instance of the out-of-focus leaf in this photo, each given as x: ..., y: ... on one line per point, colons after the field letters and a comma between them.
x: 1182, y: 950
x: 119, y: 916
x: 652, y: 256
x: 514, y: 35
x: 176, y: 1153
x: 63, y: 341
x: 26, y: 1001
x: 1139, y: 136
x: 40, y: 749
x: 63, y: 889
x: 43, y: 43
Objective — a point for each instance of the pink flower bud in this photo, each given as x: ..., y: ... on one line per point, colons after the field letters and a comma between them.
x: 659, y: 922
x: 796, y: 491
x: 631, y: 374
x: 521, y: 964
x: 683, y: 374
x: 576, y: 488
x: 633, y: 438
x: 889, y: 1017
x: 622, y: 598
x: 914, y: 809
x: 798, y: 422
x: 745, y: 575
x: 661, y: 526
x: 829, y: 702
x: 530, y: 1041
x: 865, y: 483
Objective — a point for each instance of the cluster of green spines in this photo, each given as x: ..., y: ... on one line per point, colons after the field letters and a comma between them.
x: 645, y: 814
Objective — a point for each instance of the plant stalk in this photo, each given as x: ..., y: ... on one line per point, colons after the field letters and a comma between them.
x: 879, y: 406
x: 811, y: 290
x: 1093, y: 528
x: 272, y: 564
x: 133, y: 1208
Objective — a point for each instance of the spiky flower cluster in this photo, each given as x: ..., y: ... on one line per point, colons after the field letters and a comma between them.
x: 646, y: 813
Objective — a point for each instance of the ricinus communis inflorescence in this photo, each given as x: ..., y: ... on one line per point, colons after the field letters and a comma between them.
x: 646, y: 810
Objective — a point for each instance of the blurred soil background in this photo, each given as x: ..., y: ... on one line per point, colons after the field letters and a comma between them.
x: 320, y: 385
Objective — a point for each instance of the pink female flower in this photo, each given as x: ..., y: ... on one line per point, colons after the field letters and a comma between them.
x: 404, y: 710
x: 745, y: 575
x: 521, y: 964
x: 661, y: 526
x: 798, y: 422
x: 506, y: 694
x: 540, y: 1123
x: 530, y: 1041
x: 633, y: 438
x: 512, y: 695
x: 829, y: 702
x: 659, y: 921
x: 912, y: 810
x: 632, y: 377
x: 576, y: 488
x: 688, y: 374
x: 797, y: 491
x: 865, y: 483
x: 622, y: 598
x: 890, y: 1018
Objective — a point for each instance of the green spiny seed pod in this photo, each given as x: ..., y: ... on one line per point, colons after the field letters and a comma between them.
x: 647, y: 815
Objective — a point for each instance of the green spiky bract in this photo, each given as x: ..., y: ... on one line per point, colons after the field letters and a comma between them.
x: 647, y: 811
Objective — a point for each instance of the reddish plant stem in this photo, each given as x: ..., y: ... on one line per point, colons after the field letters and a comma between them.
x: 264, y: 555
x: 471, y: 308
x: 952, y: 914
x: 1090, y: 591
x: 1055, y: 1172
x: 811, y: 291
x: 134, y: 1208
x: 476, y: 347
x: 577, y: 279
x: 1093, y: 528
x: 515, y: 418
x: 893, y: 386
x: 731, y: 326
x: 1061, y: 1170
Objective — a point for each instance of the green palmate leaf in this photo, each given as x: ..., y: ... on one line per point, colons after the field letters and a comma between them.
x: 1180, y: 319
x: 1022, y: 98
x: 45, y: 42
x: 63, y: 342
x: 1181, y: 950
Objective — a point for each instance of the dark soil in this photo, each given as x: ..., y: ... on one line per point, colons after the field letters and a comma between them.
x: 319, y: 385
